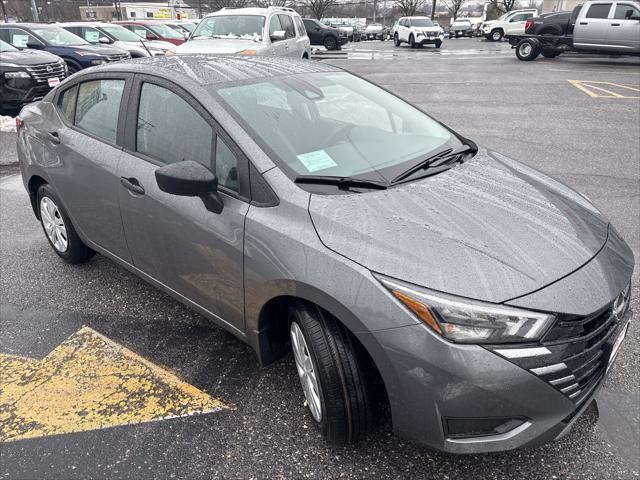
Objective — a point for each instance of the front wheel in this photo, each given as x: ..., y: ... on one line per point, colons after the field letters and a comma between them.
x: 396, y: 40
x: 58, y: 228
x: 528, y: 49
x: 412, y: 42
x: 496, y: 35
x: 331, y: 374
x: 438, y: 44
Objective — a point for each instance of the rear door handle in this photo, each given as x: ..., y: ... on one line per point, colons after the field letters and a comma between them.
x: 53, y: 137
x: 584, y: 23
x: 132, y: 184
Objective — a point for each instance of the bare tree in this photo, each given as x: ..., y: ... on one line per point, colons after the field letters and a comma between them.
x: 454, y: 6
x: 319, y: 8
x: 219, y: 4
x: 503, y: 6
x: 409, y: 8
x: 275, y: 3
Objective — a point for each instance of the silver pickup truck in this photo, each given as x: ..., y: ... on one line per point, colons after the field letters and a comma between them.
x: 599, y: 26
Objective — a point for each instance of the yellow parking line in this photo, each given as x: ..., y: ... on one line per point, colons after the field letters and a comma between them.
x: 578, y: 84
x: 89, y: 382
x: 590, y: 87
x: 608, y: 92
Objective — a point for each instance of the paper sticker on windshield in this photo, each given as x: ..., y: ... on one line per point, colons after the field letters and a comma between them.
x: 92, y: 36
x: 20, y: 41
x: 318, y: 160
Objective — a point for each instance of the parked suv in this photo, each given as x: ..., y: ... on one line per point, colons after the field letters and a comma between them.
x: 118, y: 36
x: 250, y: 31
x: 511, y: 23
x: 153, y: 30
x: 27, y: 75
x: 417, y: 31
x: 320, y: 34
x: 75, y: 51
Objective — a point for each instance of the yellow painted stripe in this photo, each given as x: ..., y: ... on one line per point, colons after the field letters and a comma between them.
x: 89, y: 382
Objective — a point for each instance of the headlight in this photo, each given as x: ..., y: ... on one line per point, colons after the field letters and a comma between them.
x: 98, y: 62
x: 16, y: 75
x: 467, y: 321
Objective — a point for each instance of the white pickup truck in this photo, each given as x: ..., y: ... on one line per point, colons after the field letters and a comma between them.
x: 599, y: 26
x: 511, y: 23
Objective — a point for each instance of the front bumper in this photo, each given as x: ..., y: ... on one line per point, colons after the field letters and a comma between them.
x: 437, y: 381
x: 425, y: 40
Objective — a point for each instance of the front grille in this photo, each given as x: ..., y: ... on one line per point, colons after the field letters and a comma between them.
x: 117, y: 57
x: 573, y: 355
x: 45, y: 71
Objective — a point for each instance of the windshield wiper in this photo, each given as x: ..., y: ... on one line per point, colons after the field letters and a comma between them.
x: 444, y: 157
x: 340, y: 182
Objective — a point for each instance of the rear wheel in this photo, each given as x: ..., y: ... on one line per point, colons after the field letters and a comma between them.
x: 331, y: 374
x: 528, y: 49
x: 330, y: 43
x: 58, y: 228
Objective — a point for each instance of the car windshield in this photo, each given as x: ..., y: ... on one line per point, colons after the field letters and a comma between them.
x: 335, y: 124
x: 5, y: 47
x: 462, y: 22
x: 120, y: 33
x: 59, y: 37
x: 165, y: 32
x: 231, y: 26
x: 373, y: 28
x: 421, y: 22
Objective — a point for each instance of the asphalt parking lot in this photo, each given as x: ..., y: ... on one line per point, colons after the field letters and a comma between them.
x: 577, y: 118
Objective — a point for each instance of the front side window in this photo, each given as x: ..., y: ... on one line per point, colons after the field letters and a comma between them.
x: 169, y: 129
x: 91, y: 35
x: 120, y: 33
x: 140, y: 31
x: 287, y: 25
x: 335, y: 124
x: 59, y: 37
x: 231, y: 26
x: 274, y: 25
x: 626, y: 11
x: 67, y: 103
x: 98, y: 107
x: 20, y: 38
x: 599, y: 10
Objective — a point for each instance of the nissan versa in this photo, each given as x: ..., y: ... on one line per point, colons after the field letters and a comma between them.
x: 302, y: 207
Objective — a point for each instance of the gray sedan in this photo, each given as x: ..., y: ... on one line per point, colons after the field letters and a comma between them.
x: 303, y: 208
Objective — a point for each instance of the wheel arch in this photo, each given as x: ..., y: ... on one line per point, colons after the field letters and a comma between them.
x: 34, y: 183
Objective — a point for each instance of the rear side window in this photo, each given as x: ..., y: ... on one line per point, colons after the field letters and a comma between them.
x: 169, y: 129
x: 625, y: 11
x: 98, y: 106
x: 287, y: 25
x: 599, y: 10
x: 302, y: 31
x: 67, y: 103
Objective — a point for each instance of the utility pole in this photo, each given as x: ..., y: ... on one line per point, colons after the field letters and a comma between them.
x: 433, y: 9
x: 4, y: 12
x: 34, y: 7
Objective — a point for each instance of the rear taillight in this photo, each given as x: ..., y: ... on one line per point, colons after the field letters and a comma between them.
x: 528, y: 24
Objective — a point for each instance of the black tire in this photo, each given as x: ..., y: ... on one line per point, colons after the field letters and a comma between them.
x: 496, y: 35
x: 76, y: 251
x: 330, y: 43
x: 396, y: 40
x: 528, y: 49
x: 438, y: 44
x: 549, y: 54
x: 345, y: 396
x: 412, y: 41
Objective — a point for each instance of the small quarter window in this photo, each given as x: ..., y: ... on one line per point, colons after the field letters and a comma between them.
x: 67, y: 103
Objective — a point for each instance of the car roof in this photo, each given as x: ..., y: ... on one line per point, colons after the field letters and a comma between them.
x: 251, y: 11
x: 216, y: 69
x: 30, y: 25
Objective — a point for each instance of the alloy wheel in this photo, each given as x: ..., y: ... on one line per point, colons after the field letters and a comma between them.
x: 53, y: 224
x: 306, y: 371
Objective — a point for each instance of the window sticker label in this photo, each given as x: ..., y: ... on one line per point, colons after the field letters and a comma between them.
x: 92, y: 36
x: 318, y: 160
x: 20, y: 41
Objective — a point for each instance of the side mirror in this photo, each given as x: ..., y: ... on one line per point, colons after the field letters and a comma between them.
x: 151, y: 36
x: 34, y: 45
x: 278, y: 35
x: 191, y: 179
x: 104, y: 40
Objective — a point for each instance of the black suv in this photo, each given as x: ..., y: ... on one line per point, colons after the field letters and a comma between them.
x: 27, y: 75
x: 320, y: 34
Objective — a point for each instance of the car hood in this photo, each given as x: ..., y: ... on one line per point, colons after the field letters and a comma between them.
x: 29, y: 57
x: 97, y: 49
x: 159, y: 44
x: 218, y: 45
x: 489, y: 22
x: 491, y: 229
x: 427, y: 29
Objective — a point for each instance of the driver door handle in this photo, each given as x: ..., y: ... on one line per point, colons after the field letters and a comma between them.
x: 132, y: 184
x: 615, y: 24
